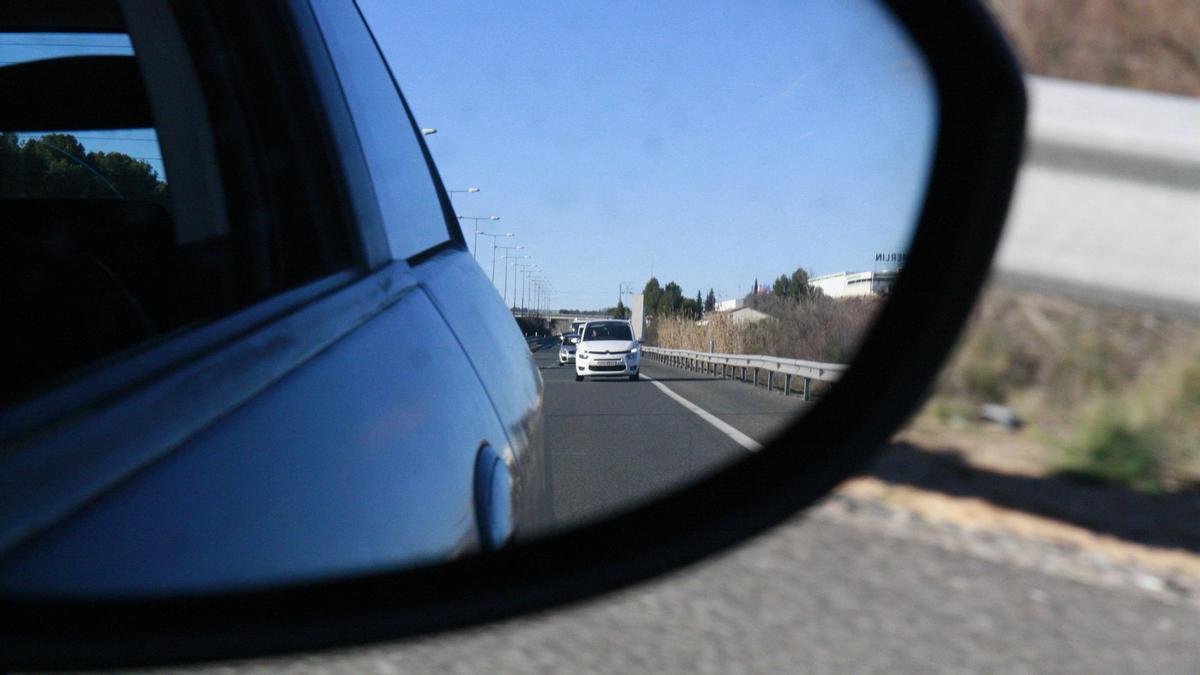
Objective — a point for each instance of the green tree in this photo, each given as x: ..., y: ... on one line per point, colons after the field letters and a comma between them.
x: 58, y: 165
x: 710, y: 302
x: 619, y: 311
x: 799, y: 284
x: 671, y: 300
x: 133, y: 178
x: 794, y: 287
x: 650, y: 296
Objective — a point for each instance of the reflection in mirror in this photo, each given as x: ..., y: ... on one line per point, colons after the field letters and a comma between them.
x: 691, y: 212
x: 739, y: 181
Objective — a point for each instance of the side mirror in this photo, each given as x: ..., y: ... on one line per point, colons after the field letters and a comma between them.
x: 933, y: 111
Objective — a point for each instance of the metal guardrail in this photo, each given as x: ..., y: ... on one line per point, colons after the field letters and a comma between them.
x: 729, y: 365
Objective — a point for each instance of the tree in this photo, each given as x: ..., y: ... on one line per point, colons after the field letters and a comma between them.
x: 671, y: 300
x: 782, y: 287
x: 691, y: 308
x: 619, y: 311
x: 710, y: 302
x: 58, y: 165
x: 651, y: 294
x: 794, y: 287
x: 799, y: 284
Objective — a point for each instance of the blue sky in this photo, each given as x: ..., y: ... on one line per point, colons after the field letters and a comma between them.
x: 19, y: 47
x: 711, y: 142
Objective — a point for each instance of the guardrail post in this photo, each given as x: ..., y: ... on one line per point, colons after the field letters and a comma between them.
x: 787, y: 385
x: 770, y: 380
x: 806, y: 390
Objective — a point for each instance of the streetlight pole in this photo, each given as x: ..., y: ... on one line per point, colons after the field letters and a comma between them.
x: 530, y: 285
x: 533, y: 282
x: 525, y: 269
x: 506, y: 248
x: 477, y: 232
x: 522, y: 270
x: 543, y: 293
x: 454, y: 192
x: 515, y: 264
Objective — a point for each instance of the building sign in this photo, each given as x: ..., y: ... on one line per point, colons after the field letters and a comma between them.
x: 891, y: 257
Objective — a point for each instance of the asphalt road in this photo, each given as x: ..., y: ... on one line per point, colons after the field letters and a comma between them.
x: 846, y: 587
x: 613, y: 443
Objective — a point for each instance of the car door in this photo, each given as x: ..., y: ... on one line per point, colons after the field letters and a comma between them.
x: 455, y: 284
x: 317, y: 415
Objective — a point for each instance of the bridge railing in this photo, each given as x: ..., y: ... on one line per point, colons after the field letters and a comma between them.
x: 749, y: 367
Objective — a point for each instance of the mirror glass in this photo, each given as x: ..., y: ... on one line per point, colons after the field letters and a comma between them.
x: 691, y: 211
x: 735, y: 178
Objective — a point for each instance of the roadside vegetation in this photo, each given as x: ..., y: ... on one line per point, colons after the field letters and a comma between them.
x: 1109, y: 394
x: 801, y: 323
x: 58, y: 165
x: 1105, y: 394
x: 1146, y: 44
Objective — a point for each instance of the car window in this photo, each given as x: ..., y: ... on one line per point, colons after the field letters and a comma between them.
x: 95, y: 257
x: 608, y: 331
x: 412, y: 214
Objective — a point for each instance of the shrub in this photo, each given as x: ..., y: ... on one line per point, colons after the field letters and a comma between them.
x: 1110, y: 449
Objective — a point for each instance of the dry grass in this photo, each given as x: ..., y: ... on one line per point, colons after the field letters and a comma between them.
x: 1111, y: 394
x: 676, y: 332
x: 1146, y: 44
x: 818, y: 329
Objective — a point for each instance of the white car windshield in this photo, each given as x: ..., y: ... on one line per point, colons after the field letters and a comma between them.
x: 607, y: 331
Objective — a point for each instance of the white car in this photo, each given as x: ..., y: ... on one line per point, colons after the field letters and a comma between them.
x: 607, y: 347
x: 566, y: 350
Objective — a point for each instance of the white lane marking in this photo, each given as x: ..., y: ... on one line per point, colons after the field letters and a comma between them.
x: 738, y: 437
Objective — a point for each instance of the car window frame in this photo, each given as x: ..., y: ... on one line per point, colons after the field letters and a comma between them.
x: 78, y: 438
x: 349, y: 16
x: 124, y: 370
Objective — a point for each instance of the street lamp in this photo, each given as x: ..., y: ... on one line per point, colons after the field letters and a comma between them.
x: 524, y: 270
x: 530, y: 284
x: 506, y: 248
x: 516, y: 268
x: 540, y: 285
x: 624, y: 289
x: 477, y: 232
x: 428, y: 131
x: 454, y: 192
x: 506, y: 259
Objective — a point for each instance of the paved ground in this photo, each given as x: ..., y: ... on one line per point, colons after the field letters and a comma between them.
x: 824, y: 594
x: 851, y: 587
x: 613, y: 442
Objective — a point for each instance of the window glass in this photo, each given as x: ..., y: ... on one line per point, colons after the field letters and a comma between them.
x: 608, y: 331
x: 93, y: 260
x: 412, y: 214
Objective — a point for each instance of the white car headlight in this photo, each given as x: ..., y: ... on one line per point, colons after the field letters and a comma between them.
x: 581, y: 355
x: 634, y: 350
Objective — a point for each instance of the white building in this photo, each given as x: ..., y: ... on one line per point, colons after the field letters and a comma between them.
x: 747, y: 315
x: 854, y: 284
x: 730, y: 305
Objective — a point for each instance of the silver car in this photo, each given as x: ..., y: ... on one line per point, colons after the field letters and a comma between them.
x: 566, y: 350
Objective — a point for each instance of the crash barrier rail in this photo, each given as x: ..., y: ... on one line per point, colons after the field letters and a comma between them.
x: 729, y: 365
